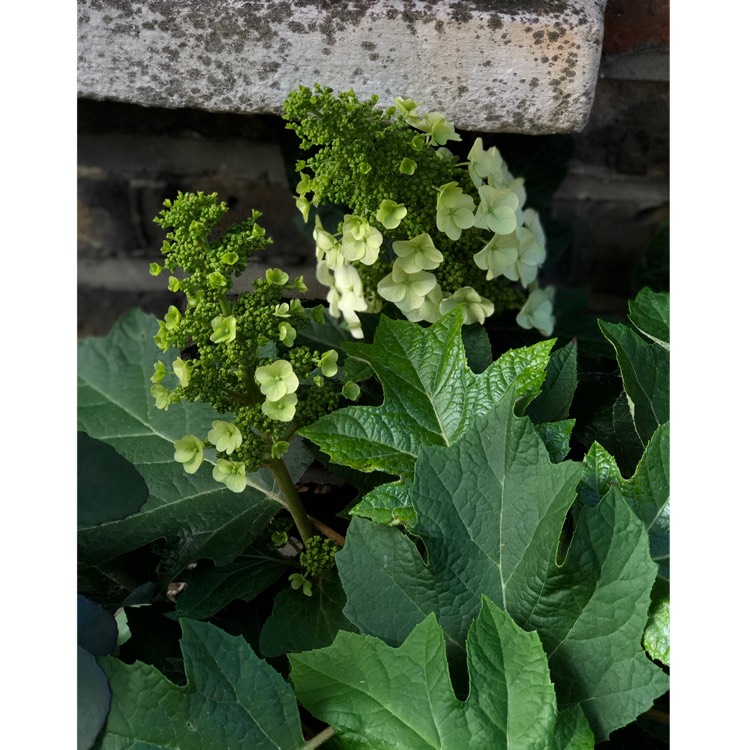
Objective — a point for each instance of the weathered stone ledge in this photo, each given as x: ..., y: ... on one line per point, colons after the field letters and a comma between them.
x: 524, y: 66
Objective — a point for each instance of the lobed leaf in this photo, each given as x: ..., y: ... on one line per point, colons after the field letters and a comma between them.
x: 490, y: 510
x: 233, y: 700
x: 359, y: 686
x: 197, y: 516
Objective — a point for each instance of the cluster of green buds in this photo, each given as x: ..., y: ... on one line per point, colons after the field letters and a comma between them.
x: 237, y: 352
x: 316, y: 561
x: 426, y: 232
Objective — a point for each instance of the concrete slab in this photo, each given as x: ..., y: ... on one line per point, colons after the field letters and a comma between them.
x: 523, y: 66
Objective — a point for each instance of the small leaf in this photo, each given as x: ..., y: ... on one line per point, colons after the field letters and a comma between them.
x: 210, y: 590
x: 600, y: 474
x: 233, y: 700
x: 556, y: 437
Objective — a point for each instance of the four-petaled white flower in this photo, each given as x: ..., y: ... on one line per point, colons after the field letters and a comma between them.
x: 497, y: 210
x: 537, y: 312
x: 406, y: 290
x: 230, y: 473
x: 225, y: 436
x: 486, y: 165
x: 499, y: 257
x: 417, y: 254
x: 429, y: 310
x: 390, y: 213
x: 282, y: 410
x: 531, y: 255
x: 360, y: 241
x: 189, y: 452
x: 277, y: 379
x: 439, y: 128
x: 475, y: 308
x: 455, y: 210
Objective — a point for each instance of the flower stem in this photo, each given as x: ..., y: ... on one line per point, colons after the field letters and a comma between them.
x: 293, y: 502
x: 319, y: 739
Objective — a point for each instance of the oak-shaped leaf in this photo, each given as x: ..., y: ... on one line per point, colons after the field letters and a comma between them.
x: 377, y: 696
x: 232, y: 700
x: 198, y: 517
x: 490, y: 511
x: 430, y: 397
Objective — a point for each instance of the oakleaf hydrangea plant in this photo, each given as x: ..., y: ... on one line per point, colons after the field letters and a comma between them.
x: 422, y: 230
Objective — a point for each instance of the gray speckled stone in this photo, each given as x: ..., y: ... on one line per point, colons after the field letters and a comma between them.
x: 525, y: 66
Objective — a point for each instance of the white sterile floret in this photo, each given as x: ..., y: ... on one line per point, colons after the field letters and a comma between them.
x: 486, y: 165
x: 360, y: 241
x: 499, y: 257
x: 531, y: 255
x: 324, y: 241
x: 537, y: 312
x: 406, y: 290
x: 498, y: 210
x: 417, y: 254
x: 346, y: 298
x: 475, y: 308
x: 531, y: 221
x: 429, y: 310
x: 455, y: 210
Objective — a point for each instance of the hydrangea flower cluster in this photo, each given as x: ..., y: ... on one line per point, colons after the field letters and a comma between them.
x: 236, y: 352
x: 424, y: 231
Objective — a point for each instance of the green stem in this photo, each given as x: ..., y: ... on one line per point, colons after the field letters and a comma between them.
x: 319, y: 739
x: 293, y: 502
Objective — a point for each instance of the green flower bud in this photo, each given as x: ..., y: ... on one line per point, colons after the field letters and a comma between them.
x: 299, y: 581
x: 407, y: 166
x: 279, y: 448
x: 364, y: 168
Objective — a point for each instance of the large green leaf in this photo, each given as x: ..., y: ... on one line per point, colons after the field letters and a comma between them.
x: 197, y: 516
x: 644, y: 366
x: 382, y: 697
x: 300, y: 623
x: 490, y: 510
x: 212, y: 588
x: 430, y: 397
x: 233, y: 700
